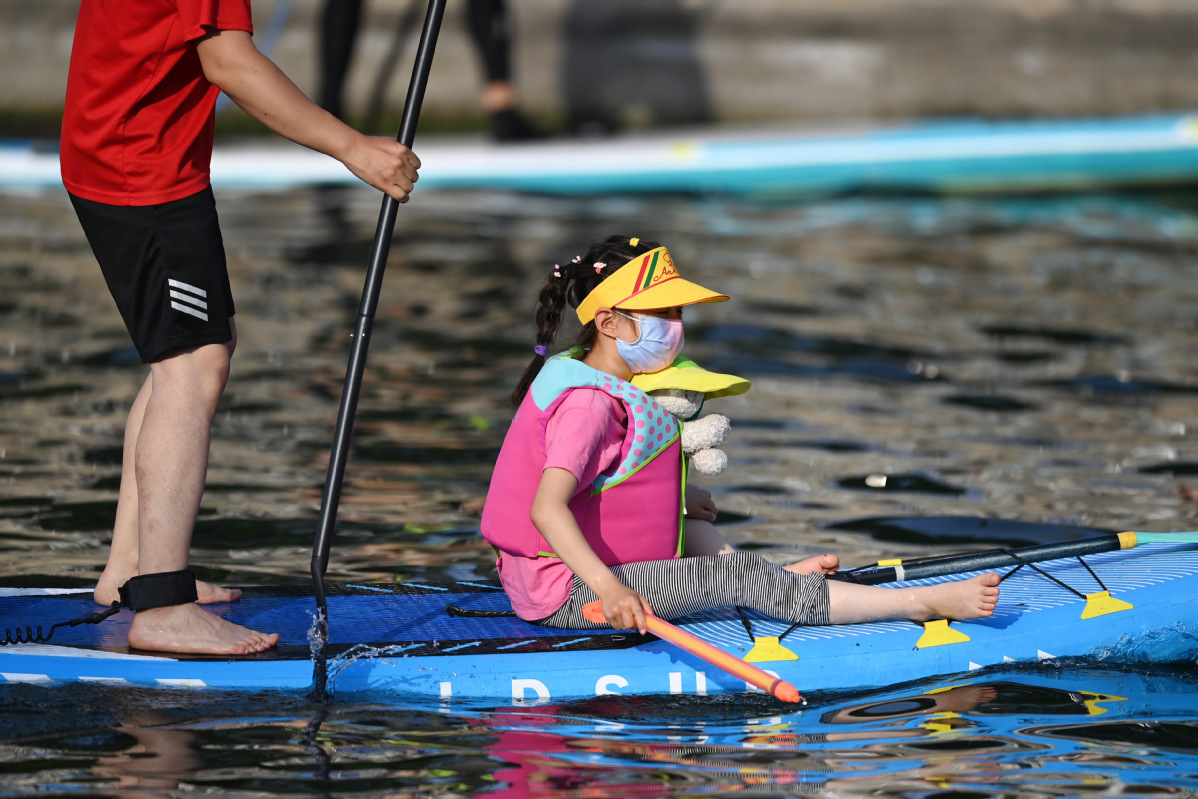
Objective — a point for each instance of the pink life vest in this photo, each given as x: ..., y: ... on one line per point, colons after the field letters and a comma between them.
x: 632, y: 514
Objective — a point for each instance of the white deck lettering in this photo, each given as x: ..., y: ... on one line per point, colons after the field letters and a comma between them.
x: 604, y: 683
x: 520, y: 686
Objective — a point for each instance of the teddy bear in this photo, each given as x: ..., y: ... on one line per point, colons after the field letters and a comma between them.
x: 682, y: 388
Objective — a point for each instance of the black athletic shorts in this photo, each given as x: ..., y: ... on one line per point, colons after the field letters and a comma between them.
x: 165, y: 267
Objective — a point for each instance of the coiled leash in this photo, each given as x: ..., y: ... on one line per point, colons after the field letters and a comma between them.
x: 144, y: 592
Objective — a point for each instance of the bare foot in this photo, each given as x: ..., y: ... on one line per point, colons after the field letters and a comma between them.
x: 110, y: 581
x: 820, y: 564
x: 974, y: 598
x: 190, y: 628
x: 965, y: 698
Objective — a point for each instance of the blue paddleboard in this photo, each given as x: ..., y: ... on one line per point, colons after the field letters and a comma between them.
x: 400, y: 639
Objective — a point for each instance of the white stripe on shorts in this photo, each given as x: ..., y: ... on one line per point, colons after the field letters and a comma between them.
x: 189, y: 310
x: 187, y: 298
x: 179, y: 284
x: 189, y: 294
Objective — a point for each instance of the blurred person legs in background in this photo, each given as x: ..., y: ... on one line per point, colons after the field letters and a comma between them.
x: 490, y: 30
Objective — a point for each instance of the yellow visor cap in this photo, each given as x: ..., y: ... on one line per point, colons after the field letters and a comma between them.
x: 646, y: 282
x: 687, y: 375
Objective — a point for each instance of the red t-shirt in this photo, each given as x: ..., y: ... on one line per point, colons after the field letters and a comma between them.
x: 139, y: 117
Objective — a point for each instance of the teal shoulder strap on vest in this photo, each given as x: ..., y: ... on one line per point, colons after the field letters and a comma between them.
x: 651, y: 429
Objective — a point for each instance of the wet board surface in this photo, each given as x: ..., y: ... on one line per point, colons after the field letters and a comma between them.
x: 416, y: 647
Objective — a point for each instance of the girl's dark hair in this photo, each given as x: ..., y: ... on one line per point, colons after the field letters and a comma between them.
x: 577, y: 279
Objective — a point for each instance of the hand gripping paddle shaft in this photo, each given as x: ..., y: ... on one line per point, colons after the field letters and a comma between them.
x: 331, y: 497
x: 712, y: 654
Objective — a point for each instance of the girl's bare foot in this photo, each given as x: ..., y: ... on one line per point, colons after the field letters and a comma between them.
x: 965, y: 698
x: 820, y: 564
x: 974, y: 598
x: 190, y: 628
x: 107, y: 589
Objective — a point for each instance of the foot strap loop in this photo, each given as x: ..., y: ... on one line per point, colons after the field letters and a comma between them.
x: 159, y: 590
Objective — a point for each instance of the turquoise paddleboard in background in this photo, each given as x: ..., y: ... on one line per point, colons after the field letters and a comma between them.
x: 931, y: 156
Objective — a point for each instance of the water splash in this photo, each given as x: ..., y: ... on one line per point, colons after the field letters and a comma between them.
x: 318, y: 637
x: 339, y: 663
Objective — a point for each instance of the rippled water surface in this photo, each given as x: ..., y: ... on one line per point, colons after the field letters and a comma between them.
x: 928, y: 374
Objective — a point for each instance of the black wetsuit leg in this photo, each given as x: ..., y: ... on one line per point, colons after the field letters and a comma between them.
x: 492, y: 35
x: 338, y: 34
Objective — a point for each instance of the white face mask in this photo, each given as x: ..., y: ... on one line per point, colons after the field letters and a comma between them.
x: 656, y: 347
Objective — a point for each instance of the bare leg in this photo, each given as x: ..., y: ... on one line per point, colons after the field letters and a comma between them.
x: 122, y: 555
x: 498, y: 96
x: 820, y: 564
x: 703, y: 539
x: 170, y: 465
x: 965, y: 599
x: 153, y: 766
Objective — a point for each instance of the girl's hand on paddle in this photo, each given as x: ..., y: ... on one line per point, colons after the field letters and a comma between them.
x: 385, y: 164
x: 699, y: 504
x: 625, y: 609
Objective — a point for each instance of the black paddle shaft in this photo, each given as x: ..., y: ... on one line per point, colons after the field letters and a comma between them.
x: 331, y: 496
x: 979, y: 561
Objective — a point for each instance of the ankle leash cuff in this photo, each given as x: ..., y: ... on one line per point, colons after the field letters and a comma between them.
x: 159, y: 590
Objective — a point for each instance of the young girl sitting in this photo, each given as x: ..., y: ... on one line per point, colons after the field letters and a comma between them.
x: 589, y: 500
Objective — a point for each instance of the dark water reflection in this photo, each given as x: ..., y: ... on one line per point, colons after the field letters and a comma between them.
x: 1073, y: 732
x: 927, y: 373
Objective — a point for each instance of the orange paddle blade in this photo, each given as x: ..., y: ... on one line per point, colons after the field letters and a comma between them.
x: 712, y: 654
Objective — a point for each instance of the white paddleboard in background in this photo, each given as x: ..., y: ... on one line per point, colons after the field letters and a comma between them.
x: 933, y: 156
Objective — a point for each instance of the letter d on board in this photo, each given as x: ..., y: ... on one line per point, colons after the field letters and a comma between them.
x: 520, y: 686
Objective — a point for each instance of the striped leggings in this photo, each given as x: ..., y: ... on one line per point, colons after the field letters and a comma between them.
x: 676, y: 588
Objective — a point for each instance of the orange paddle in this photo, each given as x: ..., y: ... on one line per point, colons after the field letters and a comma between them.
x: 714, y: 655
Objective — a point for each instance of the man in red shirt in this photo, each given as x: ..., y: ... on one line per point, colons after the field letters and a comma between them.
x: 136, y: 147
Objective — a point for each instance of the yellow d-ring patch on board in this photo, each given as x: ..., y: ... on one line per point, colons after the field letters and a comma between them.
x: 1100, y: 603
x: 767, y: 649
x: 1092, y: 703
x: 939, y: 724
x: 938, y: 633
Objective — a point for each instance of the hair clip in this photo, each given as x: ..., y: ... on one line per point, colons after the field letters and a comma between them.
x: 599, y: 266
x: 557, y: 270
x: 632, y: 242
x: 576, y: 259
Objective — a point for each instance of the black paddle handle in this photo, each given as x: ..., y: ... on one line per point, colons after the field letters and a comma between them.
x: 331, y: 496
x: 979, y: 561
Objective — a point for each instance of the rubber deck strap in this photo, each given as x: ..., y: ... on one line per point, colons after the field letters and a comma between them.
x: 159, y: 590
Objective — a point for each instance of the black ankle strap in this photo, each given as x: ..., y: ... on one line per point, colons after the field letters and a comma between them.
x: 159, y: 590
